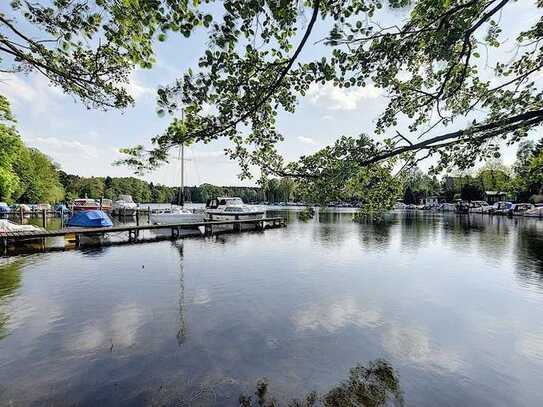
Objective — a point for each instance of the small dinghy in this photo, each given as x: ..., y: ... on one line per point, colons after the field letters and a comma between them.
x: 90, y: 219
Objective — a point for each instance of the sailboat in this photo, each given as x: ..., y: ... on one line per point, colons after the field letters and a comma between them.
x: 180, y: 214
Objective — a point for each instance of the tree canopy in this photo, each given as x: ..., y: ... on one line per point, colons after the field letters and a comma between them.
x: 25, y: 173
x: 429, y: 65
x: 88, y: 48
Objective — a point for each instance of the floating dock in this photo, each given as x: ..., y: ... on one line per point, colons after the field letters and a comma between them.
x: 75, y: 234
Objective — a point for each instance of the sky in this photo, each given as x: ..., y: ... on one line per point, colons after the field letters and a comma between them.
x: 87, y: 142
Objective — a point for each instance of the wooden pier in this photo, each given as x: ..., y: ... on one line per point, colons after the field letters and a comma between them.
x: 75, y: 234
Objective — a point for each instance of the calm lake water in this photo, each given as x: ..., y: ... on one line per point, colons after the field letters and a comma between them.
x: 453, y: 303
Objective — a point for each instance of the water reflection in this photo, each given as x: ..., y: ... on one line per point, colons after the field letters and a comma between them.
x: 182, y: 331
x: 373, y: 386
x: 448, y: 300
x: 10, y: 281
x: 530, y: 258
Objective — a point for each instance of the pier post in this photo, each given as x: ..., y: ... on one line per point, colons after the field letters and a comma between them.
x: 44, y: 218
x: 21, y: 213
x: 237, y: 225
x: 137, y: 218
x: 148, y: 214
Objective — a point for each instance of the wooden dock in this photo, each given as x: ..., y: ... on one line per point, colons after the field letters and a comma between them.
x: 75, y: 234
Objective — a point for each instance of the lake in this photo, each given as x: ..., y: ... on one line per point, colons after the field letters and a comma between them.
x: 453, y: 304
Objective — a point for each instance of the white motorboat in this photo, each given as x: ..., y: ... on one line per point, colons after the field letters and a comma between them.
x: 176, y: 216
x: 125, y: 206
x: 227, y: 208
x: 536, y: 212
x: 479, y: 207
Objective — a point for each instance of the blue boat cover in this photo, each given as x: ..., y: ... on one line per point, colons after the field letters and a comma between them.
x: 90, y: 219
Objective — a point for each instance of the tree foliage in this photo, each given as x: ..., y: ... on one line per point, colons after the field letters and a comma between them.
x: 429, y: 65
x: 89, y: 48
x: 25, y: 173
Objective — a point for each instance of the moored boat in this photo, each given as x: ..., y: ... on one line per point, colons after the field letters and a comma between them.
x: 8, y: 226
x: 519, y: 209
x: 536, y: 212
x: 500, y: 208
x: 124, y: 206
x: 479, y: 207
x: 89, y: 219
x: 4, y: 208
x: 85, y: 204
x: 226, y: 208
x: 176, y: 216
x: 105, y: 205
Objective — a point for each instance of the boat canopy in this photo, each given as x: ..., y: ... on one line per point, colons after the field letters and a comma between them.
x: 90, y: 219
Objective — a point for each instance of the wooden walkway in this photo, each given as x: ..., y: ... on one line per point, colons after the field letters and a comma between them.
x: 134, y: 230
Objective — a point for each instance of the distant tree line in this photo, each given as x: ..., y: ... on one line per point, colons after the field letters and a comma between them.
x: 143, y: 191
x: 522, y: 182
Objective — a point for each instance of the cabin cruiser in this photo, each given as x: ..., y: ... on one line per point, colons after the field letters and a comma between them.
x: 500, y: 208
x: 479, y: 207
x: 519, y: 209
x: 226, y: 208
x: 125, y: 206
x: 176, y: 216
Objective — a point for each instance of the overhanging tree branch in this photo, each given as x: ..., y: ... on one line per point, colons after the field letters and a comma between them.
x: 531, y: 118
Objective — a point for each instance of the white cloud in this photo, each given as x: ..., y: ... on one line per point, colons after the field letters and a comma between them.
x: 59, y: 148
x: 81, y: 158
x: 136, y: 87
x: 33, y: 91
x: 335, y: 98
x: 307, y: 140
x: 327, y: 117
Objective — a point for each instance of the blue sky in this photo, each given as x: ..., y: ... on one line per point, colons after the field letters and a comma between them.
x: 86, y: 142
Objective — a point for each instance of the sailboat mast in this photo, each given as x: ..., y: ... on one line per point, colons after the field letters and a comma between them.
x: 181, y: 198
x: 182, y: 194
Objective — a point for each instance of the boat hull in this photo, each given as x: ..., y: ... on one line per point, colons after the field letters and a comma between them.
x: 176, y: 218
x: 221, y: 215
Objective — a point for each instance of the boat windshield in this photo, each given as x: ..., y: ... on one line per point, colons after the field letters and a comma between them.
x: 231, y: 202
